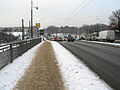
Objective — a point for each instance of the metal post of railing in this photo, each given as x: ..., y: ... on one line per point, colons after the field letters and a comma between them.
x: 20, y: 47
x: 11, y: 53
x: 22, y: 29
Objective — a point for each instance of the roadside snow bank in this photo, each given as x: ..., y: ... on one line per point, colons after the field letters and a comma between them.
x: 76, y: 75
x: 117, y: 45
x: 11, y: 73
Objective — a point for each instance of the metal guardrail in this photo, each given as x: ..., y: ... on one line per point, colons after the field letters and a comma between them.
x: 10, y: 51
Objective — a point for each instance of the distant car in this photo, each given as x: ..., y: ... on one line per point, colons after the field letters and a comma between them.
x: 54, y: 38
x: 107, y: 35
x: 77, y: 39
x: 70, y: 39
x: 59, y: 39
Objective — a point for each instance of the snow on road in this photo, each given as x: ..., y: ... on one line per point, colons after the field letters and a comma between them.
x: 76, y: 75
x: 10, y: 74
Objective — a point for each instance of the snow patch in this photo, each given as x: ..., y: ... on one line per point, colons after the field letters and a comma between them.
x: 105, y: 43
x: 10, y: 75
x: 76, y: 75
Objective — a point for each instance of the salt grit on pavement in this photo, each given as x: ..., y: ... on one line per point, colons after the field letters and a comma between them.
x: 43, y: 73
x: 11, y: 73
x: 76, y: 75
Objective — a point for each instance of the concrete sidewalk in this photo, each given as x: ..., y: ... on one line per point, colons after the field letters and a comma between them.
x: 43, y: 73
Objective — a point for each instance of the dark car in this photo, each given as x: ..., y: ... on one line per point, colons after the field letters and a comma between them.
x: 70, y: 39
x: 59, y: 39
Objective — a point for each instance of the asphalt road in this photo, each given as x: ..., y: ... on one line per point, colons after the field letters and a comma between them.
x: 104, y: 60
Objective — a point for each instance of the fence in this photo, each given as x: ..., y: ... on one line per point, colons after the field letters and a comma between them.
x: 10, y: 51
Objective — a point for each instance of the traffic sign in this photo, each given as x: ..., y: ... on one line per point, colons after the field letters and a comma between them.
x: 38, y: 25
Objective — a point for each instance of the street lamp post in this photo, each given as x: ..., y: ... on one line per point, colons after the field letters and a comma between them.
x: 32, y: 18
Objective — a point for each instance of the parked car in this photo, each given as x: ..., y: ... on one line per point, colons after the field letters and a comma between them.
x: 107, y: 35
x: 94, y: 36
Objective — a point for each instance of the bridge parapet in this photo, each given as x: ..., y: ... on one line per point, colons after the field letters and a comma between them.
x: 10, y: 51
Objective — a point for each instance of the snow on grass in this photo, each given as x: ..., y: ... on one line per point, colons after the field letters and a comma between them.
x: 76, y: 75
x: 11, y: 74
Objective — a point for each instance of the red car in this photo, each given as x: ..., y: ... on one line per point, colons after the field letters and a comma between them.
x: 54, y: 39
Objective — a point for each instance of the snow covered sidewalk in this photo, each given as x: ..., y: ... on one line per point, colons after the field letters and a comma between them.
x: 43, y: 73
x: 10, y: 74
x: 76, y: 75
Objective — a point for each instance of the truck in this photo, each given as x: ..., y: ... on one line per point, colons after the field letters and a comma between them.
x: 106, y: 35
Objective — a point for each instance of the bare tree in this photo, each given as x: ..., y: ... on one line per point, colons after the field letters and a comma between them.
x: 115, y: 18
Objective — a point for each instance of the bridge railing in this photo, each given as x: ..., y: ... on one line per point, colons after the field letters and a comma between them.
x: 10, y: 51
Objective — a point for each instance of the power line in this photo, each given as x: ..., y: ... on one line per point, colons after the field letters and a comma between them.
x: 72, y: 15
x: 77, y: 7
x: 83, y: 8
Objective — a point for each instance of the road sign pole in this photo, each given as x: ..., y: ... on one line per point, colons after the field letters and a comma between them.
x: 38, y: 26
x: 38, y: 32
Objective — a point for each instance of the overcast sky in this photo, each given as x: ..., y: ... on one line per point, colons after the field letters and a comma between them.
x: 57, y: 12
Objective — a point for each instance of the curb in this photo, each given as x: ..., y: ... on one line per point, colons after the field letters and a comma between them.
x: 116, y: 45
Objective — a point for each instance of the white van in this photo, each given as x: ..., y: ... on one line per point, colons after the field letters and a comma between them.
x: 107, y: 35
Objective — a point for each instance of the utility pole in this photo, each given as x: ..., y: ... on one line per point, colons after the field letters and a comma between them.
x: 22, y: 29
x: 29, y: 29
x: 31, y: 19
